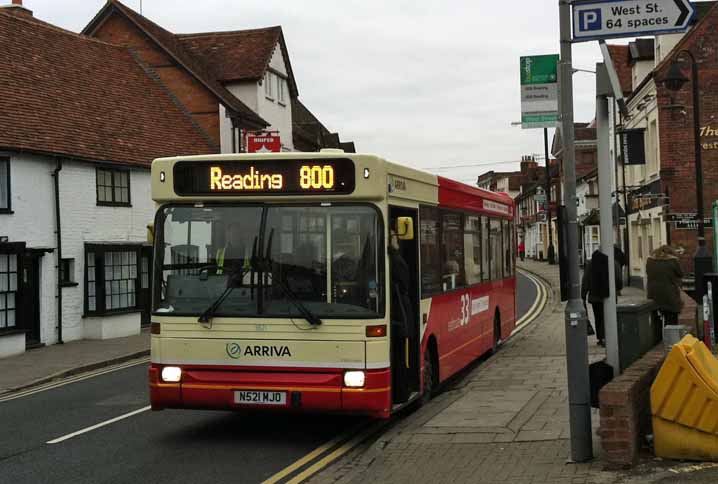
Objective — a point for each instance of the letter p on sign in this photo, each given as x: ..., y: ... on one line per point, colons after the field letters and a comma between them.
x: 590, y: 19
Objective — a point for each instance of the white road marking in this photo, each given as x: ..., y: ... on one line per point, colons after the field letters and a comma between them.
x: 97, y: 426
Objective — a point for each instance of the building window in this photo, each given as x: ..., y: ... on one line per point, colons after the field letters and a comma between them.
x: 67, y: 272
x: 113, y: 187
x: 111, y: 277
x: 8, y: 291
x: 4, y: 184
x: 280, y: 90
x: 269, y: 85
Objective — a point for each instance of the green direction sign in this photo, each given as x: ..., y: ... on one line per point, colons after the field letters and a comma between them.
x: 539, y: 91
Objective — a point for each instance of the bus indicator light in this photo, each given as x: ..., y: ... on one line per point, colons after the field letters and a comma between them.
x: 377, y: 331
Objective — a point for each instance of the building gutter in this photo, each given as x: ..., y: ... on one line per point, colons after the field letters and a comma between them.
x: 58, y: 234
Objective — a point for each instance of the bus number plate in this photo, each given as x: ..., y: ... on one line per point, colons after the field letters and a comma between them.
x: 259, y: 397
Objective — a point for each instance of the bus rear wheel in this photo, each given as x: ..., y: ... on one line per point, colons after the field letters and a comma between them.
x: 429, y: 375
x: 497, y: 333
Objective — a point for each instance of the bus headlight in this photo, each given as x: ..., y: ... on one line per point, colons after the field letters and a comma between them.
x: 171, y: 374
x: 354, y: 379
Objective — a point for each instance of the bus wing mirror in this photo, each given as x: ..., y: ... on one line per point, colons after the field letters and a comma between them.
x: 405, y: 228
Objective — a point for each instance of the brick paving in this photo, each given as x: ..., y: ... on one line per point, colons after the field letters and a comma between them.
x: 504, y: 421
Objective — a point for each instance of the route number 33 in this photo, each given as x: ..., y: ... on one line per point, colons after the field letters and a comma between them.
x: 465, y: 309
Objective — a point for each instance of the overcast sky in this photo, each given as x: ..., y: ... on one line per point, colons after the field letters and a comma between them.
x: 426, y: 83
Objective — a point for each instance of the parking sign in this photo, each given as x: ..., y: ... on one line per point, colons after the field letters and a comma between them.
x: 605, y: 19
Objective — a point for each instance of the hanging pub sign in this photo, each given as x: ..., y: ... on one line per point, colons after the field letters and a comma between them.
x: 647, y: 197
x: 263, y: 142
x: 633, y: 147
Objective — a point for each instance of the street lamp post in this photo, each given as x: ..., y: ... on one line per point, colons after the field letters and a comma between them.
x: 674, y: 81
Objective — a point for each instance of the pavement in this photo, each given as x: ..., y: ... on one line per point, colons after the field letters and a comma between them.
x: 504, y: 421
x: 45, y: 364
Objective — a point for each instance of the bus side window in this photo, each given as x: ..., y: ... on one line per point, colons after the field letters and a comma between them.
x: 452, y: 235
x: 506, y: 238
x: 472, y: 249
x: 485, y: 249
x: 429, y: 237
x: 496, y: 249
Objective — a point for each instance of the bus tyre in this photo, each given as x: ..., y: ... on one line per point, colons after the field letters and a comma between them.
x: 429, y: 376
x: 497, y: 333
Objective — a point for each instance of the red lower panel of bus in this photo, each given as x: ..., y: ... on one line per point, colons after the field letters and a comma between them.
x: 304, y: 390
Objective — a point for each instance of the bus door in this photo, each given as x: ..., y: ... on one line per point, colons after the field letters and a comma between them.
x: 404, y: 298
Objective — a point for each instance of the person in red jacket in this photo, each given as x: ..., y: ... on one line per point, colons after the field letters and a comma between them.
x: 522, y: 250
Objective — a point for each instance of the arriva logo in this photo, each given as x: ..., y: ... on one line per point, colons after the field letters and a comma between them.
x: 235, y: 351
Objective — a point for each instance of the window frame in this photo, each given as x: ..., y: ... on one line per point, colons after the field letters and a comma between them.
x: 268, y: 87
x: 16, y: 293
x: 67, y: 272
x: 113, y: 171
x: 6, y: 161
x: 281, y: 96
x: 99, y: 251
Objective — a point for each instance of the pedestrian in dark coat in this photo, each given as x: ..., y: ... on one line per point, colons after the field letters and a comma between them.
x: 594, y: 284
x: 663, y: 282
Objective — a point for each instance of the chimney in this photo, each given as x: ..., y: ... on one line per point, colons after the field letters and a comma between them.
x: 16, y: 8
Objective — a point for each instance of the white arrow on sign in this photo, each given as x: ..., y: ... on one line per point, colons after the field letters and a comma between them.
x: 605, y: 19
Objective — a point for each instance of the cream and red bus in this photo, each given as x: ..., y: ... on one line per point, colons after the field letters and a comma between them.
x: 321, y: 282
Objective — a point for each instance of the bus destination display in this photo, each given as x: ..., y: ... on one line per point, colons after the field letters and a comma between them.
x: 263, y: 177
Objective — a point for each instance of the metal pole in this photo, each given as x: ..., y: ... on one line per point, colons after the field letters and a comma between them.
x: 575, y: 315
x: 551, y: 253
x: 606, y: 216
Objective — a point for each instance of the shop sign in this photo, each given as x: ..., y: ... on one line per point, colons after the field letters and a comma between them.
x: 633, y: 146
x: 646, y: 197
x: 709, y: 132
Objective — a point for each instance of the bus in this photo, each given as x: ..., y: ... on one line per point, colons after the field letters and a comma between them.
x: 322, y: 282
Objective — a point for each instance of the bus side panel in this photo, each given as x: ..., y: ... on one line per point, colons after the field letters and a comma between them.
x: 463, y: 322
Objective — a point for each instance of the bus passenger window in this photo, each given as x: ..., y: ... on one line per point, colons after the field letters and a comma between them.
x: 497, y: 250
x: 430, y: 251
x: 485, y: 259
x: 472, y: 249
x: 452, y: 235
x: 506, y: 239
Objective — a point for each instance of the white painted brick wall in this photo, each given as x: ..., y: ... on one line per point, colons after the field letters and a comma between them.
x: 82, y: 221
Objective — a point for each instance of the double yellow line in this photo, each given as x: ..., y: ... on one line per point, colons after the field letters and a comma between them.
x: 542, y: 295
x: 325, y: 454
x: 72, y: 379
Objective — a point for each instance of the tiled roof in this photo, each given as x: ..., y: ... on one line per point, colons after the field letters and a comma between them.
x: 234, y: 56
x: 66, y: 94
x: 619, y: 55
x: 172, y: 45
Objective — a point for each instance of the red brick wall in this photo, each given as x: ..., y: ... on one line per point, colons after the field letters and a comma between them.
x: 625, y: 410
x: 677, y: 138
x: 198, y: 100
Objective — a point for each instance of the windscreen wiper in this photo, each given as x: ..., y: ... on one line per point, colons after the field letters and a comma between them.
x: 233, y: 281
x: 306, y: 313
